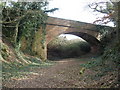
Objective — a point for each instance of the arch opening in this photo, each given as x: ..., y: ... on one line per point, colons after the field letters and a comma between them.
x: 96, y: 47
x: 67, y: 46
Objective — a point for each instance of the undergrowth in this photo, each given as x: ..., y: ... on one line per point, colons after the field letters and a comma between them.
x: 15, y: 64
x: 63, y: 48
x: 18, y: 70
x: 108, y: 63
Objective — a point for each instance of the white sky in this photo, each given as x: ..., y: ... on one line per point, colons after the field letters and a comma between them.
x: 71, y: 37
x: 75, y: 10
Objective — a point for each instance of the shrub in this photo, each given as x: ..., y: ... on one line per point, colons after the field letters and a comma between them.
x: 68, y: 48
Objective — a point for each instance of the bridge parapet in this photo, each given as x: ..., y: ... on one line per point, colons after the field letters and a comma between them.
x: 57, y: 26
x: 76, y: 24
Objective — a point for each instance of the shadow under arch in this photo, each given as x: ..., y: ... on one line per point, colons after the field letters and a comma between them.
x: 94, y: 42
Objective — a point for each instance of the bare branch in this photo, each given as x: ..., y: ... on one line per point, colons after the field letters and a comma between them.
x: 96, y: 5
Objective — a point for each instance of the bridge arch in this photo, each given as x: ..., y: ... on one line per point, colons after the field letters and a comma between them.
x: 94, y: 42
x: 55, y: 27
x: 89, y: 38
x: 87, y: 31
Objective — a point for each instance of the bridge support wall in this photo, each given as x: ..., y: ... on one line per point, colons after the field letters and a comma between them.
x: 37, y: 46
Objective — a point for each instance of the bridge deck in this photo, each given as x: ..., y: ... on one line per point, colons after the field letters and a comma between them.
x: 75, y: 24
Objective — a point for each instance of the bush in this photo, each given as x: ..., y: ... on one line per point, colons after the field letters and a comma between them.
x: 61, y: 47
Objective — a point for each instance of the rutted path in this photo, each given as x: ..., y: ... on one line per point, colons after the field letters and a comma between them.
x: 64, y: 74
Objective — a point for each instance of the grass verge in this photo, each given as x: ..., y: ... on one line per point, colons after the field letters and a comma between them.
x: 18, y: 70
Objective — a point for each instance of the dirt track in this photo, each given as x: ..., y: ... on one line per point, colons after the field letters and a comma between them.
x: 65, y: 73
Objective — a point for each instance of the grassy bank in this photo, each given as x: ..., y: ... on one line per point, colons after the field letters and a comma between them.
x: 16, y: 64
x: 105, y: 68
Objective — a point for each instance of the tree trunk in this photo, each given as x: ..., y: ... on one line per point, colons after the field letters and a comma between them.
x: 117, y: 19
x: 16, y: 33
x: 119, y: 22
